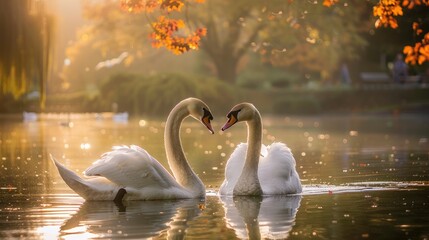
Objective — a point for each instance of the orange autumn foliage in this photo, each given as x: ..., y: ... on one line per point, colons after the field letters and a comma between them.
x: 419, y: 53
x: 411, y: 3
x: 166, y: 30
x: 328, y: 3
x: 387, y: 10
x: 138, y: 6
x: 172, y: 5
x: 163, y: 36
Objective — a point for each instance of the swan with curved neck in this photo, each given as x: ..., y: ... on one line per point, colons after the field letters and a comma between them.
x: 131, y: 173
x: 253, y: 168
x: 177, y: 161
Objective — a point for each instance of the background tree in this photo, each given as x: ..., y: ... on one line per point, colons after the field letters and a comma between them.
x: 315, y: 39
x: 283, y: 34
x: 108, y: 41
x: 306, y: 38
x: 296, y: 34
x: 232, y: 28
x: 25, y: 47
x: 115, y: 40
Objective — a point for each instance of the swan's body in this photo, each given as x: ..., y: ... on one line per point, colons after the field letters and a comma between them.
x: 273, y: 174
x: 138, y: 173
x: 256, y: 169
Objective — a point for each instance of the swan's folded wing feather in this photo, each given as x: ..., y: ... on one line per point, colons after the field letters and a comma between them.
x: 233, y: 169
x: 277, y: 171
x: 235, y: 163
x: 131, y: 167
x: 279, y: 162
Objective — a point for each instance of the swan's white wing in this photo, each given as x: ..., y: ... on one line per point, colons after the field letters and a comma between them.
x: 278, y: 163
x: 277, y: 171
x: 132, y: 167
x: 97, y: 188
x: 233, y: 169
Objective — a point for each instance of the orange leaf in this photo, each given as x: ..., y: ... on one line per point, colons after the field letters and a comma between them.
x: 397, y: 10
x: 408, y: 50
x: 426, y: 38
x: 421, y: 59
x: 328, y: 3
x: 393, y: 23
x: 424, y: 51
x: 377, y: 23
x: 377, y: 11
x: 417, y: 46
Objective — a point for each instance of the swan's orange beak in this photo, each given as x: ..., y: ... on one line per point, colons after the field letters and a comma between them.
x: 206, y: 122
x: 231, y: 121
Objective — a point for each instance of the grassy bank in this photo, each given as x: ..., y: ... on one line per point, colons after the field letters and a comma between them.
x: 156, y: 95
x: 353, y: 100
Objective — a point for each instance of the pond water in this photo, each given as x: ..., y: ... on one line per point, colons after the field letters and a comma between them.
x: 364, y: 177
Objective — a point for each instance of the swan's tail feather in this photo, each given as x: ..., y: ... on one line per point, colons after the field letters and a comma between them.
x: 76, y: 183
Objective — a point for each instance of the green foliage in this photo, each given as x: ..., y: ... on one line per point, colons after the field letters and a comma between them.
x: 144, y: 95
x: 9, y: 105
x: 25, y: 47
x: 347, y: 101
x: 316, y: 38
x: 252, y: 80
x: 269, y: 77
x: 287, y: 79
x: 157, y: 94
x: 73, y: 102
x: 301, y: 36
x: 297, y: 105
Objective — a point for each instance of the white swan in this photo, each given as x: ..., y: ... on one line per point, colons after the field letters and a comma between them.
x: 252, y: 172
x: 130, y: 173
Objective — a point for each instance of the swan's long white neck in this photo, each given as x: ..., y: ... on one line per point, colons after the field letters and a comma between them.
x: 177, y: 161
x: 248, y: 183
x: 254, y: 142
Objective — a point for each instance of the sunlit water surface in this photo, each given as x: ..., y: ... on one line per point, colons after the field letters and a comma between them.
x: 363, y: 176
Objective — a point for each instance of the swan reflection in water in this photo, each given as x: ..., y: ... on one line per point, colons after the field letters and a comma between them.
x: 258, y: 217
x: 134, y: 219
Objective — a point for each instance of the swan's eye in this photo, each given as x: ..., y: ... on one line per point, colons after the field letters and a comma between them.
x: 233, y: 113
x: 207, y: 117
x: 232, y: 119
x: 208, y: 114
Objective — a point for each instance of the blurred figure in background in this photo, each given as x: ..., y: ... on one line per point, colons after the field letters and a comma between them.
x: 400, y: 70
x: 345, y: 74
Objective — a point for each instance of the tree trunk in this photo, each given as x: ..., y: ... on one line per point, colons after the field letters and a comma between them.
x: 226, y: 68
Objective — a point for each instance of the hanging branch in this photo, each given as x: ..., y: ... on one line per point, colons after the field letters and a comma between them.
x: 167, y: 32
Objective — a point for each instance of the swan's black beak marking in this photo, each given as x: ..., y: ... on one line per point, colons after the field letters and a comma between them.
x: 232, y: 119
x: 207, y: 117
